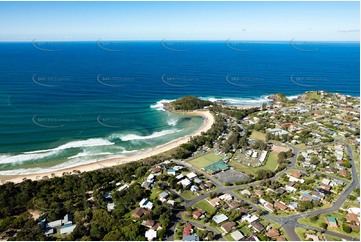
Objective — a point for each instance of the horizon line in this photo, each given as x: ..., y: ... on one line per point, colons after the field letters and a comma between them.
x: 180, y: 40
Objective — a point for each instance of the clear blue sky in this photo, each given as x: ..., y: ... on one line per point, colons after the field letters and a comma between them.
x: 323, y: 21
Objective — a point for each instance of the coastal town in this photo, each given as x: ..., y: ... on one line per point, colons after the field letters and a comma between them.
x: 285, y: 171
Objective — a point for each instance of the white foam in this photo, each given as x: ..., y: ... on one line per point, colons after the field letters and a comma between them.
x: 130, y: 137
x: 172, y: 121
x: 88, y: 153
x: 39, y: 154
x: 160, y: 104
x: 245, y: 101
x: 5, y: 159
x: 292, y: 97
x: 240, y: 101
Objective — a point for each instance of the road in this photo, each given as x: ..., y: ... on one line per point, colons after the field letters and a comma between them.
x: 289, y: 223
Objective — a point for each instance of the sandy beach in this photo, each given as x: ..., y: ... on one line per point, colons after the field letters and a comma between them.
x: 207, y: 124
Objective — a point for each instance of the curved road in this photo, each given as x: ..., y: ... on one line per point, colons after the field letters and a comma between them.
x: 289, y: 223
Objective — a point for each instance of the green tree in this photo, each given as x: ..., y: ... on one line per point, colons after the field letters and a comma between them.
x: 346, y: 228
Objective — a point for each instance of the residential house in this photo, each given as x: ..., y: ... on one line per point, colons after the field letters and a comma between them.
x: 110, y: 206
x: 178, y: 168
x: 192, y: 237
x: 171, y: 172
x: 146, y: 185
x: 156, y: 170
x: 151, y: 234
x: 214, y: 202
x: 293, y: 205
x: 290, y: 189
x: 180, y: 176
x: 157, y: 227
x: 246, y: 192
x: 228, y: 226
x: 194, y: 188
x: 304, y: 198
x: 186, y: 183
x: 67, y: 228
x: 258, y: 193
x: 325, y: 187
x: 145, y: 203
x: 209, y: 184
x: 237, y: 235
x: 343, y: 172
x: 139, y: 212
x: 280, y: 191
x: 269, y: 207
x: 226, y: 197
x: 191, y: 175
x: 297, y: 174
x: 171, y: 202
x: 198, y: 213
x: 220, y: 218
x: 249, y: 218
x: 257, y: 226
x: 280, y: 205
x: 272, y: 233
x: 163, y: 196
x: 234, y: 205
x: 352, y: 218
x: 187, y: 230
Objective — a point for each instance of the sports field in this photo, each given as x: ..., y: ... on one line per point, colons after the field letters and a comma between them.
x: 205, y: 160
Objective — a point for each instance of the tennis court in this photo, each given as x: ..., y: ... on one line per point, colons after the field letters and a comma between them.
x: 205, y: 160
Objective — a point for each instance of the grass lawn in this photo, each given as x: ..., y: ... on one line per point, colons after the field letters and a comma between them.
x: 258, y: 135
x: 271, y: 164
x: 332, y: 238
x: 205, y: 160
x: 155, y: 193
x: 301, y: 233
x: 246, y: 231
x: 179, y: 227
x: 349, y: 203
x: 312, y: 95
x: 188, y: 195
x: 336, y: 215
x: 301, y: 146
x: 228, y: 237
x: 204, y: 205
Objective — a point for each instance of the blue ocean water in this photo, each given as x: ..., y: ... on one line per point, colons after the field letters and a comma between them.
x: 66, y: 103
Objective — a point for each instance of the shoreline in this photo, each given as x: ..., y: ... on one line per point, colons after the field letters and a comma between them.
x: 208, y: 121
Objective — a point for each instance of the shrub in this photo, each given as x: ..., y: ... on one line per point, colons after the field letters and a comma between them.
x: 346, y: 228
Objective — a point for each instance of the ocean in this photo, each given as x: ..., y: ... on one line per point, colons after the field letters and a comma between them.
x: 69, y: 103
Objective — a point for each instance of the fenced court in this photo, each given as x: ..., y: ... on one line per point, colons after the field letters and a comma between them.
x: 216, y: 167
x: 205, y: 160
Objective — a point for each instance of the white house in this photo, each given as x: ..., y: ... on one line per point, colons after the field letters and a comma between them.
x: 237, y: 235
x: 151, y: 234
x: 191, y: 175
x: 249, y: 218
x: 67, y: 229
x: 145, y: 203
x: 219, y: 218
x: 226, y: 197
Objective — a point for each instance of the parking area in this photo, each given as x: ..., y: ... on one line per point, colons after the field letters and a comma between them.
x: 230, y: 176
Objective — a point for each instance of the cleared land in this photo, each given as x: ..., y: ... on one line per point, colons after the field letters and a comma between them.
x: 205, y: 206
x: 205, y: 160
x: 258, y: 135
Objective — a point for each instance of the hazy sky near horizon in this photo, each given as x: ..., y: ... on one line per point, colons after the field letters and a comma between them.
x: 321, y: 21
